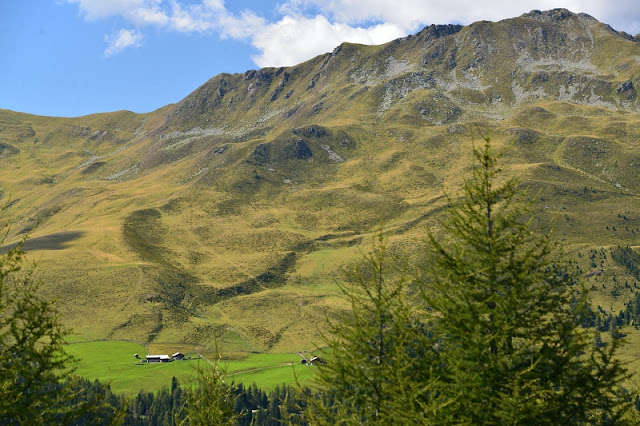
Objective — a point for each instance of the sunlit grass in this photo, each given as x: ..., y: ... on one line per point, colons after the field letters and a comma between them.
x: 113, y: 362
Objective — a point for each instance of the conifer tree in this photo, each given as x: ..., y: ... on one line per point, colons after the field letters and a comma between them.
x: 370, y: 376
x: 36, y: 381
x: 211, y: 400
x: 511, y: 348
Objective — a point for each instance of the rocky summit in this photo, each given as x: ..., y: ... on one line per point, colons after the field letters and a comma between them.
x: 229, y: 216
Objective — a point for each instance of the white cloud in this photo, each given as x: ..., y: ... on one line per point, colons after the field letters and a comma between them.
x: 142, y: 16
x: 294, y: 39
x: 406, y: 14
x: 304, y: 28
x: 247, y: 26
x: 411, y: 14
x: 138, y: 12
x: 195, y: 18
x: 121, y: 40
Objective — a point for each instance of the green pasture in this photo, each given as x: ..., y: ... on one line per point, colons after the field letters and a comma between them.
x: 113, y: 362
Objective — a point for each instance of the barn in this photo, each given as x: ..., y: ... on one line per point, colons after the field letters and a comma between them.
x: 158, y: 358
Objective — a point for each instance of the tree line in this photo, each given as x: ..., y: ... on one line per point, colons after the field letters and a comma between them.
x: 178, y: 404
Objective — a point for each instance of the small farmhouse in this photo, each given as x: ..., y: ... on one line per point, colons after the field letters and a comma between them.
x: 158, y: 358
x: 177, y: 355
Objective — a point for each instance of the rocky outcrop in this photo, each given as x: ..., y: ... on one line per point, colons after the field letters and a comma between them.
x: 302, y: 150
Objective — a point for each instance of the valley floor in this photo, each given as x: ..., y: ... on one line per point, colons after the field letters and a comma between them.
x: 113, y: 362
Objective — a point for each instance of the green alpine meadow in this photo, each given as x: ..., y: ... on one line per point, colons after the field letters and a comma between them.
x: 443, y: 229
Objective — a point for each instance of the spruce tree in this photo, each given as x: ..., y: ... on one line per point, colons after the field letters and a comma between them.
x: 36, y: 381
x: 210, y: 401
x: 510, y: 346
x: 371, y: 374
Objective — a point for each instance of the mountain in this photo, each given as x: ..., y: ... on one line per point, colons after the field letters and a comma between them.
x: 228, y: 217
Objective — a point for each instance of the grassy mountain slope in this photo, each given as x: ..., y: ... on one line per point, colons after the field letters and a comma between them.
x: 228, y: 216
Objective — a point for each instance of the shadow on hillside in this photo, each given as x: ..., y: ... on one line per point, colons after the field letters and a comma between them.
x: 55, y: 241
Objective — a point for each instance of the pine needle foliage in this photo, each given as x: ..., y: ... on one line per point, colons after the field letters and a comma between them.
x: 36, y: 382
x: 372, y: 365
x: 210, y: 401
x: 32, y: 359
x: 512, y: 349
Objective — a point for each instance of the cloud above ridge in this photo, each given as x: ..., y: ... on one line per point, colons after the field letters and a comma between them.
x: 301, y: 29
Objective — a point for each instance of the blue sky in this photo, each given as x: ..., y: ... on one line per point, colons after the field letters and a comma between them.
x: 76, y: 57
